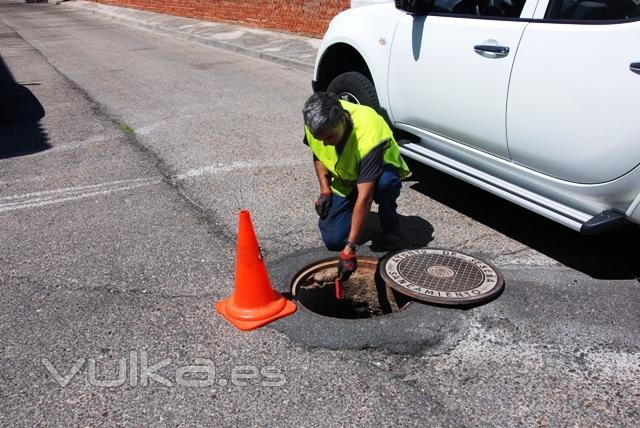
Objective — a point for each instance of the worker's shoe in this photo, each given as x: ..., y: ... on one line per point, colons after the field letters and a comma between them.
x: 390, y: 240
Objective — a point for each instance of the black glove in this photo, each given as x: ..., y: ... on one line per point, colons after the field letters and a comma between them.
x: 323, y: 204
x: 347, y: 265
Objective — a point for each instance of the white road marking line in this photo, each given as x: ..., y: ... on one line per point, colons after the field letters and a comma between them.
x: 71, y: 198
x: 32, y: 201
x: 73, y: 145
x: 56, y: 196
x: 77, y: 188
x: 215, y: 169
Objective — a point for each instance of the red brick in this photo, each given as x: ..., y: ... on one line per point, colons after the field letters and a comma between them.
x: 310, y: 17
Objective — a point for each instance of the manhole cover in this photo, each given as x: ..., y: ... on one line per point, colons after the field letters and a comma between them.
x: 441, y: 276
x: 366, y: 293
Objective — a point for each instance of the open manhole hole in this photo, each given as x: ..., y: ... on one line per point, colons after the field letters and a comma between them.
x: 441, y: 276
x: 366, y: 293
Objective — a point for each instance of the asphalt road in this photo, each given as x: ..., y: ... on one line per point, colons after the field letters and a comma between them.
x: 124, y: 159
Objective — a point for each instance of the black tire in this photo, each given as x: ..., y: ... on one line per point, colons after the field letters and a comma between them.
x: 356, y: 88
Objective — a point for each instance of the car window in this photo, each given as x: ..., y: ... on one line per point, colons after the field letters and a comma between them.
x: 592, y: 10
x: 483, y: 8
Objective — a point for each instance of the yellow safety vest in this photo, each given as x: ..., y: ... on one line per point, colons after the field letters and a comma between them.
x: 368, y: 131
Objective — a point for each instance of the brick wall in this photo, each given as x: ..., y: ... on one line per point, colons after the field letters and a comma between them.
x: 310, y: 17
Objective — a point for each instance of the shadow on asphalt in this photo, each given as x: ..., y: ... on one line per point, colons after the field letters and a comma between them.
x: 20, y: 113
x: 416, y: 231
x: 608, y: 256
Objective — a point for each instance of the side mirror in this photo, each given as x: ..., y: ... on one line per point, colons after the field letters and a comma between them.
x: 415, y: 7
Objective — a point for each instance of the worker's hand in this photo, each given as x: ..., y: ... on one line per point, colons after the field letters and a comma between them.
x: 347, y: 265
x: 323, y: 204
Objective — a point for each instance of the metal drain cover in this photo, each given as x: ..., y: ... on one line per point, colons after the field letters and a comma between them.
x: 441, y: 276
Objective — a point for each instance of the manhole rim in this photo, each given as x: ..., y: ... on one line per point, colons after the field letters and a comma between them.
x: 296, y: 278
x: 449, y: 302
x: 416, y: 330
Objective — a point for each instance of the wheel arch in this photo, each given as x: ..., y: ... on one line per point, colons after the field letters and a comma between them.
x: 337, y: 59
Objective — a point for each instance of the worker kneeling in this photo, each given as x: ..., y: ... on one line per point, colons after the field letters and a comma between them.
x: 357, y: 161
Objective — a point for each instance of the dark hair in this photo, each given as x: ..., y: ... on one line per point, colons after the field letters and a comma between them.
x: 322, y: 111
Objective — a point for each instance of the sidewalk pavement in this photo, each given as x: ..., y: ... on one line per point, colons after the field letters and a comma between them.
x: 291, y: 50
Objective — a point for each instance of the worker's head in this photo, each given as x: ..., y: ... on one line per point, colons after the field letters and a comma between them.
x: 325, y: 118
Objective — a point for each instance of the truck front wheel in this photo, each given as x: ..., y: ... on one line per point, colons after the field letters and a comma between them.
x: 356, y: 88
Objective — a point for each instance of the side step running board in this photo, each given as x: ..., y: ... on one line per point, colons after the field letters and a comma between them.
x: 578, y: 221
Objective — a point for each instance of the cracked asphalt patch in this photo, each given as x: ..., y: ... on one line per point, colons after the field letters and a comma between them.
x: 416, y: 329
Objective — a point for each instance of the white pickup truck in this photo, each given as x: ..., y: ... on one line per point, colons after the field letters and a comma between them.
x: 537, y: 101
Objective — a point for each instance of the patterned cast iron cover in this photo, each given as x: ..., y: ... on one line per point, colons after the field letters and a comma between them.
x: 441, y: 276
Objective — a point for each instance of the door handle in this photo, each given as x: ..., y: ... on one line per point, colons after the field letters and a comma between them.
x: 635, y: 67
x: 491, y: 51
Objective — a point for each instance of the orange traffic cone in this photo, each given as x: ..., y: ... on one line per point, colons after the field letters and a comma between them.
x: 254, y: 303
